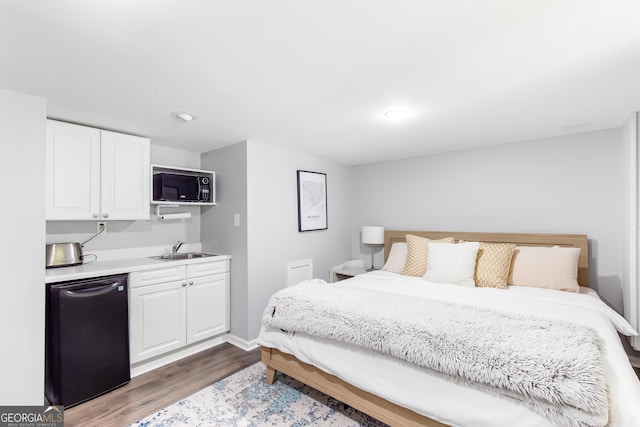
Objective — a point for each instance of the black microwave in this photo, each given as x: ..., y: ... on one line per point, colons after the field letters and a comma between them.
x: 171, y: 187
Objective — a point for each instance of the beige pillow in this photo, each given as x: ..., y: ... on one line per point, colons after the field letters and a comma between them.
x: 397, y: 258
x: 417, y: 252
x: 494, y: 262
x: 544, y: 267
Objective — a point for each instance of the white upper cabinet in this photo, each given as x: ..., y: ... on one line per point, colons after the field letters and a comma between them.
x: 124, y: 174
x: 72, y: 171
x: 94, y: 174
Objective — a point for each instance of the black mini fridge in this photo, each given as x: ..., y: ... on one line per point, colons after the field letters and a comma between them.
x: 86, y: 339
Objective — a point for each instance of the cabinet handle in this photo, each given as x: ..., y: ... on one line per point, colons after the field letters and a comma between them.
x: 96, y: 216
x: 184, y: 284
x: 190, y: 283
x: 105, y: 215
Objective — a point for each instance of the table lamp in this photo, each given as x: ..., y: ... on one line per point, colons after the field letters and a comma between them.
x: 372, y: 235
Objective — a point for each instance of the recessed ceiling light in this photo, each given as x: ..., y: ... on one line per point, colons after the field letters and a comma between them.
x: 185, y: 117
x: 396, y: 114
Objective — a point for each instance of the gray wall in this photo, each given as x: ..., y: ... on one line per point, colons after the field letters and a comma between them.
x: 630, y: 165
x: 23, y: 135
x: 218, y: 232
x: 130, y: 234
x: 569, y: 184
x: 272, y: 222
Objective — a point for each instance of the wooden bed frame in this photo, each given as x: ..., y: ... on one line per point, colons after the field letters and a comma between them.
x: 381, y: 409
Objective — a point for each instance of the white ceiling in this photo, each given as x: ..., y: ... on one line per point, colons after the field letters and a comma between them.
x: 317, y: 76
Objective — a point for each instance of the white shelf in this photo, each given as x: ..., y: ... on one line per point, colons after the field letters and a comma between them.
x: 162, y: 202
x: 156, y: 169
x: 185, y: 171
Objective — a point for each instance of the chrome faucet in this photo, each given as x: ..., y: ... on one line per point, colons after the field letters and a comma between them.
x: 176, y: 247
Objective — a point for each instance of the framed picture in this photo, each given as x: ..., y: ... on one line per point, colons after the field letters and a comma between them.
x: 312, y: 201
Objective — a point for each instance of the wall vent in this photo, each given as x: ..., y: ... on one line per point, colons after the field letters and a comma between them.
x: 299, y: 271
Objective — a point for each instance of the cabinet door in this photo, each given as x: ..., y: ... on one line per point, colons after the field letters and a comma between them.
x: 125, y: 176
x: 207, y: 306
x: 157, y: 319
x: 72, y: 171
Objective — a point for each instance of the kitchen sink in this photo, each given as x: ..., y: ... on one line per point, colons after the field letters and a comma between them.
x: 185, y: 255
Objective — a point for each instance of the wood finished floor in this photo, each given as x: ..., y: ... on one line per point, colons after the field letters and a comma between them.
x: 150, y: 392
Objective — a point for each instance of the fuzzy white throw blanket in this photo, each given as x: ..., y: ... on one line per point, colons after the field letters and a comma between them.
x: 552, y: 367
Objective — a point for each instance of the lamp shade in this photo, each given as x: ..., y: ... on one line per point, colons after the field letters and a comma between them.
x: 372, y: 235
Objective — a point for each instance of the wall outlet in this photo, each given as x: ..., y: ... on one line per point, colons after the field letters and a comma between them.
x: 101, y: 226
x: 236, y: 220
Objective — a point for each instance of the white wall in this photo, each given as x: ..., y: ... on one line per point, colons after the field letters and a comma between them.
x: 23, y: 135
x: 130, y: 234
x: 219, y: 235
x: 630, y: 165
x: 569, y: 184
x: 168, y: 156
x: 272, y: 222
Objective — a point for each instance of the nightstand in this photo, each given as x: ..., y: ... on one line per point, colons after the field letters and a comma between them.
x: 348, y: 272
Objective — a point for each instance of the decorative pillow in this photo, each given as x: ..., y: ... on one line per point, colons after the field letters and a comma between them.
x: 417, y: 251
x: 397, y: 258
x: 494, y: 262
x: 544, y: 267
x: 454, y: 264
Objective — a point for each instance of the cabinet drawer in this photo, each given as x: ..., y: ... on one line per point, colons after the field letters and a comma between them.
x: 207, y: 268
x: 157, y: 275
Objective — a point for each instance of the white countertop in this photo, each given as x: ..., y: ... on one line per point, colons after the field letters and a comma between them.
x: 118, y: 266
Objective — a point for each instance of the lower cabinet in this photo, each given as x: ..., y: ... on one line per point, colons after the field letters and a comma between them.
x: 172, y: 307
x: 157, y: 322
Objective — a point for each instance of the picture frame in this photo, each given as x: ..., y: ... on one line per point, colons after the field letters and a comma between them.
x: 312, y: 201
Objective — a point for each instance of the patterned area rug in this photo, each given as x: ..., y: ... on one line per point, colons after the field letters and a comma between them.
x: 245, y: 399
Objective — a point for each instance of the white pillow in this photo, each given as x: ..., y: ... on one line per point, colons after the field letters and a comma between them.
x: 397, y: 258
x: 453, y: 264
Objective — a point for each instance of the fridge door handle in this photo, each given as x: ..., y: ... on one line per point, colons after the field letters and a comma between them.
x: 98, y: 290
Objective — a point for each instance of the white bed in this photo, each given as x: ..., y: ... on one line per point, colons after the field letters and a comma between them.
x: 400, y: 393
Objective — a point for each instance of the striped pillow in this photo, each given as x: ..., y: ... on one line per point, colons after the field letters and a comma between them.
x: 493, y: 264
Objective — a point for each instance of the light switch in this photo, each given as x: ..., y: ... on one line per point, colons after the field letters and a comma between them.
x: 236, y: 220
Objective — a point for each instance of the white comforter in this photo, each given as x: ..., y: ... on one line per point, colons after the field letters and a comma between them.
x: 450, y: 403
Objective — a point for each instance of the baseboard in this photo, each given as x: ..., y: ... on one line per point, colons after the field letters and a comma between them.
x: 157, y: 362
x: 242, y: 343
